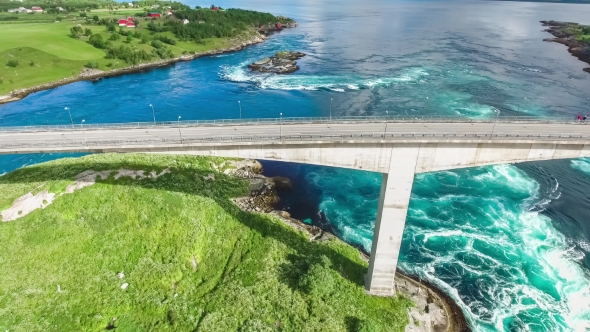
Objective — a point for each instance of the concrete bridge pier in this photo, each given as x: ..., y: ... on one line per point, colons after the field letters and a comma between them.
x: 396, y: 188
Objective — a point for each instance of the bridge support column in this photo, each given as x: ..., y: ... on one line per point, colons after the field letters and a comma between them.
x: 396, y: 188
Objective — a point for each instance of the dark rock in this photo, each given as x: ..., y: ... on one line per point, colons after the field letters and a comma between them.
x: 564, y: 35
x: 282, y: 183
x: 280, y: 63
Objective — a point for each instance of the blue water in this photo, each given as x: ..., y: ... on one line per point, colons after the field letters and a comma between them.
x: 509, y: 243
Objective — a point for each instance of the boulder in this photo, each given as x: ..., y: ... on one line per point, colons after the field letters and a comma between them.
x: 280, y: 63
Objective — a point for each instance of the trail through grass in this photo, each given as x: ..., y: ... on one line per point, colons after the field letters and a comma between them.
x: 193, y: 261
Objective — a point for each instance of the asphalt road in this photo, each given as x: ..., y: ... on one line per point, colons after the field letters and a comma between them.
x: 174, y: 133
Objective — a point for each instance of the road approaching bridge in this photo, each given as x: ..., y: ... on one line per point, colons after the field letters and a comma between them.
x: 398, y: 148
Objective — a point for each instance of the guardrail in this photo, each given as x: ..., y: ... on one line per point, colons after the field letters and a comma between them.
x: 292, y: 120
x: 287, y: 138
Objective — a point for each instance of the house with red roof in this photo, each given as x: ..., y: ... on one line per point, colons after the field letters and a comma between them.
x: 122, y: 22
x: 130, y: 24
x: 36, y: 9
x: 214, y: 9
x: 154, y: 15
x: 127, y: 22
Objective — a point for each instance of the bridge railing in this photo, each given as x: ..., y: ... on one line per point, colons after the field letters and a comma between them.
x: 374, y: 137
x: 292, y: 120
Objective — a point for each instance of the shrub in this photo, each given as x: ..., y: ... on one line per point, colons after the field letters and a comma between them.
x: 165, y: 39
x: 31, y: 63
x: 76, y: 31
x: 110, y: 64
x: 115, y: 36
x: 145, y: 39
x: 129, y: 38
x: 91, y: 65
x: 157, y: 44
x: 111, y: 28
x: 97, y: 41
x: 87, y: 32
x: 12, y: 63
x: 366, y: 326
x: 1, y: 81
x: 319, y: 279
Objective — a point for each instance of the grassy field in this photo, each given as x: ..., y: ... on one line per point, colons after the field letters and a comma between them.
x: 46, y: 52
x: 252, y: 272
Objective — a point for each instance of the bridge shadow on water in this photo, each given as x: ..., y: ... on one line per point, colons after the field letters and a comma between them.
x: 190, y: 179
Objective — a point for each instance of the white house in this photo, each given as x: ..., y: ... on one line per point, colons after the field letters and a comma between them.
x: 185, y: 21
x: 130, y: 5
x: 37, y: 9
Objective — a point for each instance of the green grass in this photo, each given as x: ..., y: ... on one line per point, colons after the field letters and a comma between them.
x: 254, y: 273
x: 56, y: 55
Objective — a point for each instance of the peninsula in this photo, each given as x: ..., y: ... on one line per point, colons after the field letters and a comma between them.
x: 87, y: 40
x: 185, y: 243
x: 575, y: 36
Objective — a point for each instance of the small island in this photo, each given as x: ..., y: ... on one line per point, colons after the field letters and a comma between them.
x: 573, y: 35
x: 281, y: 63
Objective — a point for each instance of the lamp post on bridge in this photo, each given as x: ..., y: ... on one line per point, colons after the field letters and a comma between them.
x: 70, y: 113
x: 385, y: 130
x: 153, y: 113
x: 83, y: 132
x: 495, y: 121
x: 179, y: 119
x: 331, y: 99
x: 240, y: 105
x: 280, y: 126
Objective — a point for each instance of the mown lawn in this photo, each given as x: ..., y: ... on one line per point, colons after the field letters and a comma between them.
x: 252, y: 272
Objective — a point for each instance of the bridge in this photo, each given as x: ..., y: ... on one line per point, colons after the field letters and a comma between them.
x: 397, y: 147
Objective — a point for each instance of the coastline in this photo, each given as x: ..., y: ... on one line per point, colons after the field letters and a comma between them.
x: 93, y: 74
x: 435, y: 310
x: 576, y: 48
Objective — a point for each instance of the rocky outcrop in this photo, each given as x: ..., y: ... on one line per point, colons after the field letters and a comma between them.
x: 94, y: 75
x: 280, y: 63
x: 563, y: 35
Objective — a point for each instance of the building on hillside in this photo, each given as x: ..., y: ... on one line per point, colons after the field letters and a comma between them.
x: 154, y: 15
x: 37, y: 9
x: 185, y: 21
x: 60, y: 9
x: 130, y: 5
x: 214, y: 9
x: 278, y: 25
x: 130, y: 24
x: 169, y: 12
x: 130, y: 19
x: 122, y: 22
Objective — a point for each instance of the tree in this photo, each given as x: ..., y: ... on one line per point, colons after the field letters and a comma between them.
x: 111, y: 28
x: 83, y: 14
x: 12, y: 63
x: 95, y: 18
x: 97, y: 41
x: 76, y: 31
x: 129, y: 38
x: 115, y: 36
x: 87, y: 32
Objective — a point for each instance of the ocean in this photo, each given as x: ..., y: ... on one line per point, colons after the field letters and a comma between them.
x: 510, y: 243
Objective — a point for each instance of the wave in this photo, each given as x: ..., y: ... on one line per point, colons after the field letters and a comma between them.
x: 477, y: 234
x: 240, y: 73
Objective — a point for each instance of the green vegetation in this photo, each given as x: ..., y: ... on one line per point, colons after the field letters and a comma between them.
x: 578, y: 31
x: 192, y: 259
x: 61, y: 41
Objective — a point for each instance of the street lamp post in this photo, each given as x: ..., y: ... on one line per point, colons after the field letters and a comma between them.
x: 179, y: 119
x: 385, y: 130
x: 495, y: 121
x: 70, y: 113
x: 153, y: 113
x: 281, y: 126
x: 331, y: 99
x: 83, y: 132
x: 240, y: 105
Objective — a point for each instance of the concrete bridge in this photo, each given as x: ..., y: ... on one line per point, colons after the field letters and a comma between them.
x: 398, y: 148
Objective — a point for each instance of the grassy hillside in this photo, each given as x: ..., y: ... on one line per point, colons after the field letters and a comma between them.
x: 193, y: 261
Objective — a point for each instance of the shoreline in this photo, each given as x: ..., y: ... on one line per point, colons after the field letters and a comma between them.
x: 93, y: 74
x: 576, y: 48
x: 426, y: 316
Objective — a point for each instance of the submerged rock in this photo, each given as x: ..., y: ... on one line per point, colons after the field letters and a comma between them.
x: 280, y: 63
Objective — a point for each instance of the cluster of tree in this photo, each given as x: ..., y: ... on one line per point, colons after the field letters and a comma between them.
x: 206, y: 23
x: 586, y: 29
x: 77, y: 32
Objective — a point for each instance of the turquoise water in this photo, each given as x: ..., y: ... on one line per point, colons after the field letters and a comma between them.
x: 509, y: 243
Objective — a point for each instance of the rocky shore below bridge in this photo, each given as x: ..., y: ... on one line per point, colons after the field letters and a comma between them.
x: 434, y: 311
x: 566, y: 33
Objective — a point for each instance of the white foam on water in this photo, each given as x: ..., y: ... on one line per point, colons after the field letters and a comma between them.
x: 339, y: 83
x: 582, y: 164
x: 538, y: 241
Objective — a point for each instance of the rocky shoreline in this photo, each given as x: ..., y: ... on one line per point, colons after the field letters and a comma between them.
x: 561, y: 31
x: 434, y: 311
x: 95, y: 74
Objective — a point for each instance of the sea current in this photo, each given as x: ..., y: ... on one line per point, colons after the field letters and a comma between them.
x: 510, y: 243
